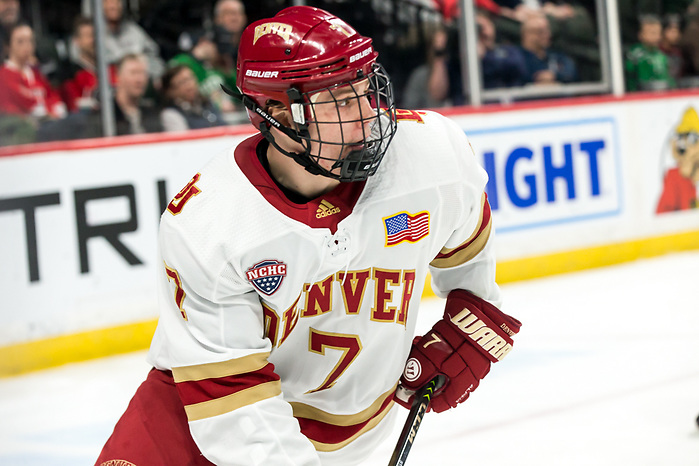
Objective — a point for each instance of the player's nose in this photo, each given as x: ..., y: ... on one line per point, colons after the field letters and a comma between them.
x: 367, y: 114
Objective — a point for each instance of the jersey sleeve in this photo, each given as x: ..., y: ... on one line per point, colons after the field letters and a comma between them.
x: 467, y: 259
x: 211, y: 335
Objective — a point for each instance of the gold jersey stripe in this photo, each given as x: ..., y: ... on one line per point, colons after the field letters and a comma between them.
x: 215, y: 370
x: 226, y: 404
x: 475, y: 231
x: 370, y: 425
x: 311, y: 412
x: 466, y: 254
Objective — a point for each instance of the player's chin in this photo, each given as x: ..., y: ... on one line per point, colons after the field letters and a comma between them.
x: 332, y: 165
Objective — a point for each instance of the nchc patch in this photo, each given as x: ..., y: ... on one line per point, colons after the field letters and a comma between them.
x: 266, y: 276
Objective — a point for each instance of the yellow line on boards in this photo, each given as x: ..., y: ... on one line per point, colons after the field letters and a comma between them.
x: 50, y: 352
x: 42, y: 354
x: 600, y: 256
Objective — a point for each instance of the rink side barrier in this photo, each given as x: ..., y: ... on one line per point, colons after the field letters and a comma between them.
x: 574, y: 184
x: 51, y: 352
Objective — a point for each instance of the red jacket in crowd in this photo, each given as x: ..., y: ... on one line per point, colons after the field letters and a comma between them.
x: 25, y: 91
x: 82, y: 85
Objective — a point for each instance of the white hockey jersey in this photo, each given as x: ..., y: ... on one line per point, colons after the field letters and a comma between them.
x: 287, y: 326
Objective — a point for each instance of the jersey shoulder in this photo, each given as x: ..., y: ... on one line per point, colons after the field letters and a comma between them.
x: 433, y: 130
x: 432, y: 144
x: 218, y: 204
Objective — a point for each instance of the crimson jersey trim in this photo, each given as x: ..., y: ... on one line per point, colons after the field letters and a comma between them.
x: 325, y: 211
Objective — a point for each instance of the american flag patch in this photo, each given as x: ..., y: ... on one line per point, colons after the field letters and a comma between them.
x: 406, y: 227
x: 267, y: 275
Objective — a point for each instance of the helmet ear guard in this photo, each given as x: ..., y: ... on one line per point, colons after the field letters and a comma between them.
x: 296, y: 104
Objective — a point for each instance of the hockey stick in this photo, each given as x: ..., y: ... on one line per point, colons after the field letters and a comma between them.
x: 413, y: 421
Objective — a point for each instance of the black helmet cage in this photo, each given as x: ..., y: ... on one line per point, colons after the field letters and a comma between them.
x: 358, y: 163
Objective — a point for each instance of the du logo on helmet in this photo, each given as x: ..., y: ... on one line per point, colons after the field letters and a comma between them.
x: 280, y: 29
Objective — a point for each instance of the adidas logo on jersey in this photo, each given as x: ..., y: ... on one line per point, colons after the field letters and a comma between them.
x: 326, y: 209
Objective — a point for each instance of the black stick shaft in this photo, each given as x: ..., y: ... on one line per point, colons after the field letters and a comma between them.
x: 412, y: 423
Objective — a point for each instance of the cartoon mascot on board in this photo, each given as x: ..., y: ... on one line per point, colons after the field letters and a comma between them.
x: 680, y: 183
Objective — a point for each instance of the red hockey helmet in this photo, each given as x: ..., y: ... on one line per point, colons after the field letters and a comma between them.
x: 299, y: 53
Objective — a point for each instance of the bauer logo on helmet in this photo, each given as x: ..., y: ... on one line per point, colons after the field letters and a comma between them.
x: 360, y: 55
x: 262, y: 74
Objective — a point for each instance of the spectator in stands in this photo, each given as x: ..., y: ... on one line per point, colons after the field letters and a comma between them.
x: 450, y: 9
x: 544, y: 66
x: 9, y: 16
x: 521, y: 9
x: 630, y: 10
x: 47, y: 49
x: 646, y: 65
x: 124, y: 37
x: 501, y: 65
x: 517, y: 9
x: 134, y: 114
x: 167, y: 21
x: 572, y: 25
x: 440, y: 80
x: 574, y: 30
x: 689, y: 44
x: 511, y: 4
x: 25, y: 91
x: 185, y: 107
x: 670, y: 45
x: 78, y: 76
x: 205, y: 61
x: 428, y: 84
x: 230, y: 20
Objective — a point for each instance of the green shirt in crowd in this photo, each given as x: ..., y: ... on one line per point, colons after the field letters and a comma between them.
x: 647, y: 68
x: 210, y: 79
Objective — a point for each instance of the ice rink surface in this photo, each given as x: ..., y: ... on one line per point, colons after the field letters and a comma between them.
x: 604, y: 372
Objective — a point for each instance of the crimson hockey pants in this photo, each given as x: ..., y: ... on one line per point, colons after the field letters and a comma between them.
x: 153, y: 431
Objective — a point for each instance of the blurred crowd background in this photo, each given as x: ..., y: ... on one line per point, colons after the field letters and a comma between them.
x: 166, y: 59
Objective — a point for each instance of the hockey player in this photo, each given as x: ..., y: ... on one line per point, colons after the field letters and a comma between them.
x: 293, y: 267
